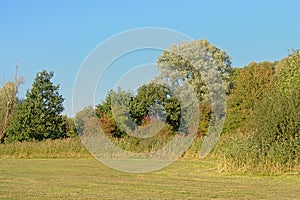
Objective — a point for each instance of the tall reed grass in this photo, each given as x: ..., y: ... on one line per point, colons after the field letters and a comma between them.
x: 241, y: 154
x: 60, y: 148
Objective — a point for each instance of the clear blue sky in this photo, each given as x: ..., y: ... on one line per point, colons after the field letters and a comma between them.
x: 58, y: 35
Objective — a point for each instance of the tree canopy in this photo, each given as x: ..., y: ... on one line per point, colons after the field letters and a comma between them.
x: 196, y: 62
x: 249, y: 85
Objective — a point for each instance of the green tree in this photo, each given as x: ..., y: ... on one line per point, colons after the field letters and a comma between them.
x: 121, y: 112
x: 196, y: 62
x: 154, y: 99
x: 105, y: 106
x: 39, y: 116
x: 206, y: 69
x: 249, y: 85
x: 120, y: 103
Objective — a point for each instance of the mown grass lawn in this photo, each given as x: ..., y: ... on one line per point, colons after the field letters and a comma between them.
x: 89, y: 179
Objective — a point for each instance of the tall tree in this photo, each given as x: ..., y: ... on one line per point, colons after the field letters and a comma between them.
x: 206, y: 69
x: 195, y: 61
x: 8, y: 98
x: 39, y: 116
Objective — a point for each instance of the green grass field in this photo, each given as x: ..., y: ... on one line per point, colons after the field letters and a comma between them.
x: 89, y: 179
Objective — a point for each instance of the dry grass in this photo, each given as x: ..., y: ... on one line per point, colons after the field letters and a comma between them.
x: 65, y: 148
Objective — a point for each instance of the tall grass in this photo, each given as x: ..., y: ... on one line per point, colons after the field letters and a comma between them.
x: 241, y: 154
x: 60, y: 148
x: 269, y: 142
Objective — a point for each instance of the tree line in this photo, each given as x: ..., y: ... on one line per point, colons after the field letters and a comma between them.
x: 262, y: 124
x: 262, y: 103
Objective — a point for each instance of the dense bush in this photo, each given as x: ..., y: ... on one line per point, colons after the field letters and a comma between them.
x: 274, y: 143
x: 248, y: 86
x: 271, y: 142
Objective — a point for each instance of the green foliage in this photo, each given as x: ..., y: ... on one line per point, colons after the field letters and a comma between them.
x: 39, y: 116
x: 271, y: 142
x: 122, y: 115
x: 155, y: 101
x: 289, y: 72
x: 106, y: 116
x: 164, y: 134
x: 262, y: 108
x: 194, y: 61
x: 205, y: 68
x: 120, y: 103
x: 78, y: 120
x: 71, y: 127
x: 123, y: 112
x: 249, y: 85
x: 108, y: 125
x: 274, y: 143
x: 8, y: 101
x: 105, y: 106
x: 277, y: 118
x: 205, y: 118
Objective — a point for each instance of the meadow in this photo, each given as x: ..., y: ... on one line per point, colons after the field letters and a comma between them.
x: 89, y: 179
x: 63, y: 169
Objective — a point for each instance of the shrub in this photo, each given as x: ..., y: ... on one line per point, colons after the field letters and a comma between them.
x: 272, y: 145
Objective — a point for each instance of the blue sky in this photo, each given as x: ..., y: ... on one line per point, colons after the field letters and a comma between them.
x: 58, y: 35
